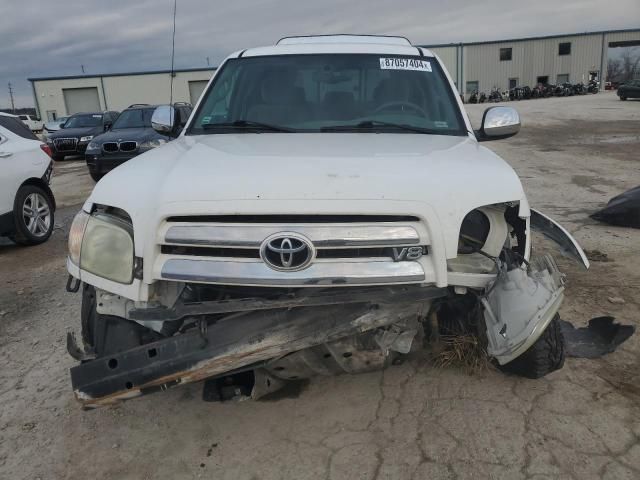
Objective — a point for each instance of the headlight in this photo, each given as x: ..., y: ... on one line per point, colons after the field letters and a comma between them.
x: 86, y: 139
x: 93, y: 145
x: 103, y: 244
x: 156, y: 142
x: 75, y: 235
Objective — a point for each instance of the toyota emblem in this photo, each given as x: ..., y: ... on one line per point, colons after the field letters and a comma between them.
x: 287, y: 251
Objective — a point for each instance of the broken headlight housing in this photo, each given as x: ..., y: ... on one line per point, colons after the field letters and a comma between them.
x: 102, y: 244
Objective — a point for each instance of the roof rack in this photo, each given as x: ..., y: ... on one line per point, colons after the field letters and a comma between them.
x: 345, y: 38
x: 138, y: 105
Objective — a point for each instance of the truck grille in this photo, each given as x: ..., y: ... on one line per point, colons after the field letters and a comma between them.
x: 66, y: 144
x: 347, y: 250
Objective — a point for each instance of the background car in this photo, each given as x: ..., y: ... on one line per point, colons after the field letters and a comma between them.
x: 27, y: 204
x: 54, y: 125
x: 34, y: 124
x: 630, y: 89
x: 78, y: 131
x: 130, y: 135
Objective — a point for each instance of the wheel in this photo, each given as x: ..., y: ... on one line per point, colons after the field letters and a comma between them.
x: 95, y: 175
x: 33, y: 216
x: 543, y: 357
x: 623, y: 98
x: 57, y: 157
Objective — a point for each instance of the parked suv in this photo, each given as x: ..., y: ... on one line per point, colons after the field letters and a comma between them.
x: 77, y: 132
x: 630, y: 89
x: 26, y: 202
x: 130, y: 135
x: 327, y: 200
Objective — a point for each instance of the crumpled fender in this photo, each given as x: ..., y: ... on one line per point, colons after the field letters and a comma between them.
x: 555, y: 232
x: 519, y: 306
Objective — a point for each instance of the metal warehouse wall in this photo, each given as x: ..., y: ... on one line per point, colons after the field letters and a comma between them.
x: 531, y: 58
x: 119, y: 91
x: 449, y: 57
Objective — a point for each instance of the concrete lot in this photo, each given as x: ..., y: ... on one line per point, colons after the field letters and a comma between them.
x: 410, y: 421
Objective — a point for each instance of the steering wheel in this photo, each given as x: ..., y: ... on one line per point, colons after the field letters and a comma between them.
x: 390, y: 105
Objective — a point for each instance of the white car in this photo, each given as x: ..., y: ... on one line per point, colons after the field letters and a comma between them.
x: 327, y: 200
x: 34, y: 124
x: 27, y: 204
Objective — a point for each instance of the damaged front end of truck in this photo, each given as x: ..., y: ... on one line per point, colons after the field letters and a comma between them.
x: 251, y: 303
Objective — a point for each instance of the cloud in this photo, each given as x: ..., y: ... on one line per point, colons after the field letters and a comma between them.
x: 42, y: 38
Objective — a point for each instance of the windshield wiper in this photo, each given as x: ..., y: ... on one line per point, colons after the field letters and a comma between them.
x: 372, y: 124
x: 246, y: 124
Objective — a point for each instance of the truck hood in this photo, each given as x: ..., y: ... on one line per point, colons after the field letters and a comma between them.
x: 341, y: 173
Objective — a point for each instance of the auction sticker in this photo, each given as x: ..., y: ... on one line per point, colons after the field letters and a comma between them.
x: 405, y: 64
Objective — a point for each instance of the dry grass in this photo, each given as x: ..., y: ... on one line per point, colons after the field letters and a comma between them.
x: 465, y: 351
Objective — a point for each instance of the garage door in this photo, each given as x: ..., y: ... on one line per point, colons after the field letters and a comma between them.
x: 195, y: 89
x: 81, y: 100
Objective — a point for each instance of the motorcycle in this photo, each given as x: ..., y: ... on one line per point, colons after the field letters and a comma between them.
x: 579, y: 89
x: 592, y: 87
x: 495, y: 96
x: 482, y: 98
x: 473, y: 98
x: 526, y: 92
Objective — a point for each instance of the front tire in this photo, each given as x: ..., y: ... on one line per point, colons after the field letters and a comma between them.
x: 33, y: 216
x: 546, y: 355
x: 623, y: 98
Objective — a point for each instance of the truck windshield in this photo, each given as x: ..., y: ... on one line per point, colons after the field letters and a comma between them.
x: 83, y: 121
x: 138, y: 118
x: 329, y: 93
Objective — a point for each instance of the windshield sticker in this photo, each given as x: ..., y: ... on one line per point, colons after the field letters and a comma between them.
x: 96, y: 116
x: 441, y: 124
x: 205, y: 120
x: 405, y: 64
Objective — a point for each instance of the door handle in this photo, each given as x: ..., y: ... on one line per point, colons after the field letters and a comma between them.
x: 5, y: 154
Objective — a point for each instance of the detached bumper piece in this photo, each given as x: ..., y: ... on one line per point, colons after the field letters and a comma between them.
x: 240, y: 341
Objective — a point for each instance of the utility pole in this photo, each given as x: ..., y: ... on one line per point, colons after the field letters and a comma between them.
x: 208, y: 64
x: 13, y: 106
x: 82, y: 68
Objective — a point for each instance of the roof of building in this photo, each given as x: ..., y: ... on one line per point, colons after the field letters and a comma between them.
x: 122, y: 74
x: 525, y: 39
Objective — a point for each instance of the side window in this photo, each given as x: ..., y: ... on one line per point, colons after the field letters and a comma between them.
x: 471, y: 86
x: 16, y: 126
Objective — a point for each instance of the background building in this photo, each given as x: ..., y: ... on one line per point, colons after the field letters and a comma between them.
x: 505, y: 64
x: 58, y: 96
x: 473, y: 66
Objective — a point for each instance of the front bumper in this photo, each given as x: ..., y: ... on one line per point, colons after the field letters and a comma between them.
x: 245, y: 340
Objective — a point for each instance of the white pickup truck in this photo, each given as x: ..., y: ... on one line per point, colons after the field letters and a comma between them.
x: 32, y: 122
x: 327, y: 201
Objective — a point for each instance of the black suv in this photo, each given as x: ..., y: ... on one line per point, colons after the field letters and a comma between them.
x: 74, y: 136
x: 129, y: 136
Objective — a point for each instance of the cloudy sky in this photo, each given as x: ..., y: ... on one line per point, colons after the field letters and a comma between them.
x: 43, y: 37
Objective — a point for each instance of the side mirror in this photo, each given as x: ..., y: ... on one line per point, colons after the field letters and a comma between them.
x: 107, y: 126
x: 497, y: 123
x: 164, y: 120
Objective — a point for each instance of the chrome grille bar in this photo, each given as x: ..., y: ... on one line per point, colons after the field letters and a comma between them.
x: 333, y: 236
x: 319, y: 273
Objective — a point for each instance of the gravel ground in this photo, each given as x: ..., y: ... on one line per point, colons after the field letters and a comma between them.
x: 410, y: 421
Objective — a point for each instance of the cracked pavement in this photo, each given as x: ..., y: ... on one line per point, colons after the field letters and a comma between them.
x: 411, y: 421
